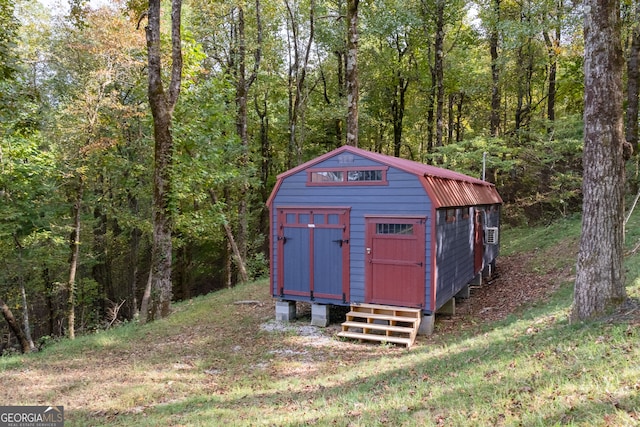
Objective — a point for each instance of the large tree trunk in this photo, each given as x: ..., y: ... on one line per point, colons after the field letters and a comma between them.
x: 14, y: 326
x: 351, y: 72
x: 599, y: 271
x: 162, y: 105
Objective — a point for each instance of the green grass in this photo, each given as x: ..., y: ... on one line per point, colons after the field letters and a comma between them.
x: 211, y: 363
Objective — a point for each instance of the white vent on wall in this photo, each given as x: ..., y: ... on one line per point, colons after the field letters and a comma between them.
x: 491, y: 235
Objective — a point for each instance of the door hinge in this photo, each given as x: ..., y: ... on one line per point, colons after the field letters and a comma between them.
x: 341, y: 241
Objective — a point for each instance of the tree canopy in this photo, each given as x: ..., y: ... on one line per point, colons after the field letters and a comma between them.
x: 265, y: 85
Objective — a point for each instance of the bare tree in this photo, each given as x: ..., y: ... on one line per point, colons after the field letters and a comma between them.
x: 157, y: 299
x: 599, y: 281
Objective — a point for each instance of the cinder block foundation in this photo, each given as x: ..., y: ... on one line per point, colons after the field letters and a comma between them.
x: 449, y: 307
x: 477, y: 281
x: 427, y: 324
x: 286, y: 311
x: 320, y: 315
x: 464, y: 292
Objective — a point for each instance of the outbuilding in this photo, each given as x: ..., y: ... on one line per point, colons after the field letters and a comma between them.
x: 358, y: 227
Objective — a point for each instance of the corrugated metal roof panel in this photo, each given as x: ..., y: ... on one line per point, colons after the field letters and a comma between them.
x: 448, y: 192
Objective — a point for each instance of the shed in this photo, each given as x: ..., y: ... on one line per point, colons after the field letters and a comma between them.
x: 357, y: 227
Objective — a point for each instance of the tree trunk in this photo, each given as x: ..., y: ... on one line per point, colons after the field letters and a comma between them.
x: 552, y: 48
x: 397, y: 110
x: 14, y: 326
x: 265, y: 167
x: 458, y: 125
x: 162, y: 105
x: 351, y: 72
x: 74, y: 244
x: 48, y: 291
x: 494, y: 38
x: 134, y: 246
x: 25, y: 318
x: 243, y: 84
x: 599, y: 281
x: 297, y: 80
x: 439, y: 72
x: 237, y: 255
x: 341, y: 58
x: 25, y: 305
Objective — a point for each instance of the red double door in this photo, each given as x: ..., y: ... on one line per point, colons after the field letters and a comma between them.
x: 395, y: 261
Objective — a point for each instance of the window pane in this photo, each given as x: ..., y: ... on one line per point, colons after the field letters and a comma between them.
x: 366, y: 175
x: 326, y: 176
x: 394, y: 229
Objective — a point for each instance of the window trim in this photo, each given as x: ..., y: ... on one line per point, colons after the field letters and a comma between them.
x: 345, y: 176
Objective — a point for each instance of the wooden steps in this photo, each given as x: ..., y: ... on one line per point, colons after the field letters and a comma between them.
x: 383, y: 323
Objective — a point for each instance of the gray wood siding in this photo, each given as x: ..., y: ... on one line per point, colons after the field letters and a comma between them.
x: 454, y: 259
x: 404, y: 195
x: 493, y: 220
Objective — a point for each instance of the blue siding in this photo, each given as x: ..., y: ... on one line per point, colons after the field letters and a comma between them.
x: 404, y: 195
x: 454, y: 255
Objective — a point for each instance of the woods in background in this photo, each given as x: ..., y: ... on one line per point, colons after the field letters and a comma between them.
x: 265, y: 86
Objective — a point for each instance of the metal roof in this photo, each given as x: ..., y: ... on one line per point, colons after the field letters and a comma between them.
x: 445, y: 187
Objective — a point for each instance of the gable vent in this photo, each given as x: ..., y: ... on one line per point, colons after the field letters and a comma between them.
x: 491, y: 235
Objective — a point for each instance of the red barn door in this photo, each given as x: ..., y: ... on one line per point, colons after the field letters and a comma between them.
x: 395, y: 261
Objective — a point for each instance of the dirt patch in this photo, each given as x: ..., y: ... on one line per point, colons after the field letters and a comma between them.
x: 516, y: 283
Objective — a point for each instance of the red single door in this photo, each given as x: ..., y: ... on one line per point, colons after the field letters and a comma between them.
x: 395, y: 261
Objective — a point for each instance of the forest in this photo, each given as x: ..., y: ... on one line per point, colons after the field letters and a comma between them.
x: 490, y: 88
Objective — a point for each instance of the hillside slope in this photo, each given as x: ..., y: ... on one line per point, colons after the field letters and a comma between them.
x: 508, y: 357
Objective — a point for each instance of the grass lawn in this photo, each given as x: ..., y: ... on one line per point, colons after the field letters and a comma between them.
x: 214, y: 362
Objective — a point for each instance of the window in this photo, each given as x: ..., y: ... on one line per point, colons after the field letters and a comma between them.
x: 394, y: 228
x: 348, y: 176
x: 366, y: 175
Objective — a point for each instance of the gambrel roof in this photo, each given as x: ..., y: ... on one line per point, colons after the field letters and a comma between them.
x: 446, y: 188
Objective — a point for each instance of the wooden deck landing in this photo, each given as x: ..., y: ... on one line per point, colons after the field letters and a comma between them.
x: 383, y: 323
